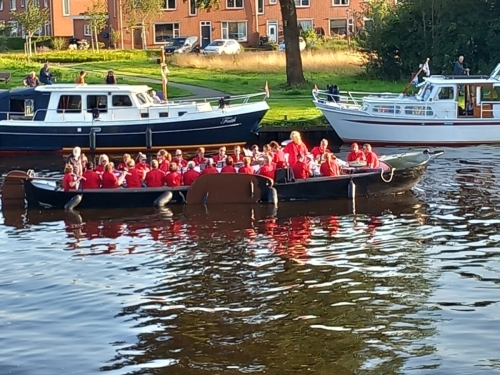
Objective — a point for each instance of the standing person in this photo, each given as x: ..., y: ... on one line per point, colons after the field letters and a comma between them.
x: 45, y: 75
x: 75, y: 159
x: 81, y: 77
x: 31, y: 80
x: 294, y: 148
x: 70, y: 181
x: 110, y: 78
x: 278, y: 155
x: 459, y: 69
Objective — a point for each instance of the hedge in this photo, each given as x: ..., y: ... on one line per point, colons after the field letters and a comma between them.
x: 83, y: 56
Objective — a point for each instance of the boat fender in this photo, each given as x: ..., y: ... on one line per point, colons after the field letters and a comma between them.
x: 73, y: 202
x: 351, y: 190
x: 163, y: 199
x: 252, y: 189
x: 272, y: 196
x: 205, y: 197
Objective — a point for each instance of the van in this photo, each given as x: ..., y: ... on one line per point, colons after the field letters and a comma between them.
x: 181, y: 44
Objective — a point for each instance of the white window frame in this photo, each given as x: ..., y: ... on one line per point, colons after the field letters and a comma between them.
x: 1, y: 5
x: 12, y: 4
x: 263, y: 6
x: 192, y: 12
x: 273, y: 2
x: 307, y: 20
x: 45, y: 3
x: 302, y: 3
x: 174, y: 33
x: 235, y: 4
x: 338, y: 19
x: 225, y: 26
x: 46, y: 29
x: 13, y: 25
x: 66, y: 10
x: 340, y: 3
x: 21, y: 3
x: 86, y: 30
x: 166, y: 5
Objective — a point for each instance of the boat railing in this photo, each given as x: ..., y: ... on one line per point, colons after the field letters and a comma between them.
x: 487, y: 108
x: 350, y: 97
x: 233, y: 99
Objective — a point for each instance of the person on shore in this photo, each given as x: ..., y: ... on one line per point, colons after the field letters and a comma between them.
x: 191, y: 174
x: 81, y: 77
x: 356, y: 155
x: 31, y: 80
x: 110, y: 78
x: 200, y: 157
x: 294, y: 148
x: 91, y: 180
x: 372, y: 161
x: 46, y: 76
x: 173, y: 178
x: 229, y: 167
x: 155, y: 177
x: 247, y: 168
x: 320, y: 152
x: 329, y: 167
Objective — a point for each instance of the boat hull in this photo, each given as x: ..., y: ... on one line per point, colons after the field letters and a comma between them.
x: 354, y: 126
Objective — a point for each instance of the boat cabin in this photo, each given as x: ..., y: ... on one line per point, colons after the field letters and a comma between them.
x: 72, y: 102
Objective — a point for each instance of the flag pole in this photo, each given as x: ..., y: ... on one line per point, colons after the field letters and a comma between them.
x: 163, y: 67
x: 415, y: 75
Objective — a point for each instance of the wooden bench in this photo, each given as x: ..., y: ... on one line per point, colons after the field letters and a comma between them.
x: 5, y: 77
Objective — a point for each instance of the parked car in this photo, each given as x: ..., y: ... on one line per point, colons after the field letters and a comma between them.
x: 223, y: 47
x: 302, y: 45
x: 181, y: 44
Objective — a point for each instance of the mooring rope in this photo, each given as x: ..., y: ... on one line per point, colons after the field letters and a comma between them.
x: 390, y: 179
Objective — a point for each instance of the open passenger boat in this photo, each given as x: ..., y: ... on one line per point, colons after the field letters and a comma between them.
x: 116, y: 117
x: 400, y: 173
x: 449, y: 110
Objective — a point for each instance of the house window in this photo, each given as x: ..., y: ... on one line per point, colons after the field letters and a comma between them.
x: 273, y: 1
x: 234, y: 3
x: 368, y: 23
x: 45, y: 3
x: 12, y: 4
x: 302, y: 3
x: 338, y: 27
x: 22, y: 4
x: 47, y: 29
x: 165, y: 31
x: 193, y: 11
x: 65, y: 8
x: 170, y: 5
x: 305, y: 24
x: 341, y: 3
x: 235, y: 30
x: 14, y: 28
x: 261, y: 6
x: 70, y: 103
x: 1, y: 5
x: 86, y: 30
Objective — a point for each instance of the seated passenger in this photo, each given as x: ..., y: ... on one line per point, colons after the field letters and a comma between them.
x: 210, y: 168
x: 155, y: 177
x: 320, y: 152
x: 141, y: 164
x: 163, y: 161
x: 90, y: 180
x: 221, y: 156
x: 133, y: 176
x: 356, y: 155
x: 229, y: 167
x: 237, y: 156
x: 200, y: 157
x: 109, y: 180
x: 268, y: 169
x: 103, y: 160
x: 255, y: 153
x: 173, y: 178
x: 69, y: 181
x: 372, y: 161
x: 301, y: 169
x: 278, y: 155
x: 123, y: 165
x: 294, y: 148
x: 191, y: 174
x: 267, y: 149
x: 247, y: 168
x: 179, y: 159
x: 329, y: 167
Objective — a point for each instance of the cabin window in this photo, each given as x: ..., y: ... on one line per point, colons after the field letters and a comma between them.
x: 418, y: 110
x: 29, y: 108
x: 122, y: 101
x: 386, y: 109
x: 490, y: 94
x: 446, y: 93
x: 97, y: 101
x: 163, y: 114
x: 142, y: 98
x: 70, y: 104
x: 181, y: 113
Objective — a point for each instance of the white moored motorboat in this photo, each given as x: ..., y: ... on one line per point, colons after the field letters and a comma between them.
x: 446, y: 110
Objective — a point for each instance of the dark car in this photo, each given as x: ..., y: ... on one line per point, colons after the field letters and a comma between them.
x: 182, y: 44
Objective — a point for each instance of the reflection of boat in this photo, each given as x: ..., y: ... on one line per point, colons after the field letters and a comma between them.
x: 105, y: 117
x: 433, y: 116
x: 403, y: 172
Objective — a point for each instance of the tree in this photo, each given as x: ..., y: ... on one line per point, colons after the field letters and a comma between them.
x: 141, y: 11
x: 96, y: 17
x: 294, y: 71
x: 32, y: 19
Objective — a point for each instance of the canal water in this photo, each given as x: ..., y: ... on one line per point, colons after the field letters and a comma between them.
x: 400, y: 285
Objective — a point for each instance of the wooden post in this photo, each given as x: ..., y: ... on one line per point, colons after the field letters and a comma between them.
x: 163, y: 67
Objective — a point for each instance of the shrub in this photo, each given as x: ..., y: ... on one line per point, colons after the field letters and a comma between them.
x: 59, y: 43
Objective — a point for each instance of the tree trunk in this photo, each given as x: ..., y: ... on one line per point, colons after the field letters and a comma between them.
x: 28, y: 39
x: 96, y: 39
x: 143, y: 35
x: 294, y: 72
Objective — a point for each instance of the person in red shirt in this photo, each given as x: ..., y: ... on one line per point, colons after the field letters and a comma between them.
x: 237, y: 156
x: 278, y: 155
x: 294, y: 148
x: 247, y: 168
x: 255, y: 153
x: 103, y: 160
x: 200, y: 157
x: 155, y: 177
x: 329, y: 167
x: 173, y: 178
x: 320, y: 152
x: 356, y: 155
x: 191, y: 174
x: 372, y: 161
x: 221, y: 156
x: 268, y: 169
x: 229, y: 167
x: 141, y: 165
x: 90, y: 180
x: 301, y: 170
x: 179, y: 160
x: 109, y: 180
x: 123, y: 165
x: 70, y: 181
x: 133, y: 177
x: 163, y: 161
x: 209, y: 168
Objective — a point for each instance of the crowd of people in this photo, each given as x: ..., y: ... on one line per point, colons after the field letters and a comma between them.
x: 174, y: 170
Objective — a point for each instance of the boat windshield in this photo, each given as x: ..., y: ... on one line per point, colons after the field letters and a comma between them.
x: 424, y: 92
x: 143, y: 98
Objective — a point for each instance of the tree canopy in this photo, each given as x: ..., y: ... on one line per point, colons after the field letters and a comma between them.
x: 97, y: 19
x: 32, y: 19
